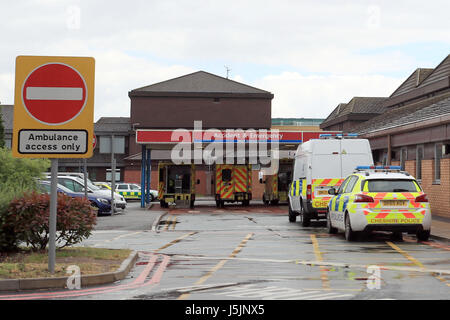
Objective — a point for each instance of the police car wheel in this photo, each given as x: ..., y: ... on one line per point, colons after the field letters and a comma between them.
x: 423, y: 235
x: 350, y: 235
x: 398, y: 236
x: 292, y: 215
x: 330, y: 228
x: 304, y: 218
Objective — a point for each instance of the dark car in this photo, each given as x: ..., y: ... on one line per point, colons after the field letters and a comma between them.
x: 102, y: 204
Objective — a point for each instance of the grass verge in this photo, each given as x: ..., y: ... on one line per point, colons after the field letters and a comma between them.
x: 29, y: 264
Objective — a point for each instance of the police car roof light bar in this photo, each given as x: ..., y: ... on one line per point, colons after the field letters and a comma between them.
x: 378, y: 168
x: 338, y: 135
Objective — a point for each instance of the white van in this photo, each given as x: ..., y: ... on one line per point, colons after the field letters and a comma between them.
x: 319, y: 165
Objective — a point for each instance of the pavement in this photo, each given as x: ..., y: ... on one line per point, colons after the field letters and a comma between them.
x: 440, y: 228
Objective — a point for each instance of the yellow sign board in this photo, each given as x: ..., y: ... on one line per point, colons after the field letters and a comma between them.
x: 53, y: 107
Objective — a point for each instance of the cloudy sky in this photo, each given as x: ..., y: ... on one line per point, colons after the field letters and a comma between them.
x: 311, y: 55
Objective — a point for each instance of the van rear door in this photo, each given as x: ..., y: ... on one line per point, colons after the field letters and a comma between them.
x: 355, y: 152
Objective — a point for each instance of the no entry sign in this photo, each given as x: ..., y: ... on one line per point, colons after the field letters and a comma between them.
x: 54, y: 107
x: 54, y: 93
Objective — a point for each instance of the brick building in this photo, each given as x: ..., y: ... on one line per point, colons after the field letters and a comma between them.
x: 412, y: 129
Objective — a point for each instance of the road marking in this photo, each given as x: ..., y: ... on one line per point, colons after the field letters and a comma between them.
x: 279, y: 293
x: 175, y: 241
x: 318, y: 254
x: 168, y: 221
x: 219, y: 265
x: 174, y: 223
x: 117, y: 238
x: 416, y: 262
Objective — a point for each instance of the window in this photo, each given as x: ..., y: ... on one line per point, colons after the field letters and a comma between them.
x: 437, y: 162
x: 419, y: 158
x: 122, y: 187
x: 341, y: 188
x: 133, y: 187
x: 403, y: 157
x: 67, y: 183
x: 351, y: 183
x: 391, y: 185
x: 105, y: 144
x: 226, y: 175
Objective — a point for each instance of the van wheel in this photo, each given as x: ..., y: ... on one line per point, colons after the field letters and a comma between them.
x: 292, y: 215
x: 350, y: 235
x: 423, y: 235
x: 266, y: 202
x: 330, y: 228
x: 218, y: 203
x: 304, y: 218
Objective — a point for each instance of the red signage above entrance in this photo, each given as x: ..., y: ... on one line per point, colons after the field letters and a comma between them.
x: 206, y: 136
x: 54, y: 93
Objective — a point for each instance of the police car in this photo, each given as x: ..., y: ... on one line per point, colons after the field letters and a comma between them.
x: 379, y: 198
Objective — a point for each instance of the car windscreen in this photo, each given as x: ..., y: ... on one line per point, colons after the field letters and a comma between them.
x: 64, y: 189
x: 90, y: 185
x: 390, y: 185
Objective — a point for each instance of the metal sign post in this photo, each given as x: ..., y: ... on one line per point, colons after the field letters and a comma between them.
x: 52, y: 218
x: 85, y: 178
x: 113, y: 174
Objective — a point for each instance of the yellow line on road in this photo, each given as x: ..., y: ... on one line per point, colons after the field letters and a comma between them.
x: 415, y: 261
x: 174, y: 223
x: 219, y: 265
x: 171, y: 243
x: 118, y: 237
x: 318, y: 254
x: 168, y: 222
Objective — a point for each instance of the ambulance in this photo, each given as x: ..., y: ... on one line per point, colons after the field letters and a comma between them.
x: 176, y: 184
x: 233, y: 184
x: 321, y: 164
x: 276, y: 188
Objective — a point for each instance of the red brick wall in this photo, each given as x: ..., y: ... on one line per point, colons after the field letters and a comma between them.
x: 410, y: 167
x: 257, y: 188
x: 438, y: 194
x: 134, y: 176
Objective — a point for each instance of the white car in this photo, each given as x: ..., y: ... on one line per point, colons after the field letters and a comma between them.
x: 76, y: 184
x: 379, y: 199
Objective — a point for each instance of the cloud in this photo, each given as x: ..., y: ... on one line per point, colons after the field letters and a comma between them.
x: 296, y: 95
x: 330, y: 50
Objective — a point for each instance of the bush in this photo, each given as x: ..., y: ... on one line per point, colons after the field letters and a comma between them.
x: 17, y: 176
x: 28, y: 217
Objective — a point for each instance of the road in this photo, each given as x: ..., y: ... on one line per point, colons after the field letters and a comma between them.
x: 255, y: 253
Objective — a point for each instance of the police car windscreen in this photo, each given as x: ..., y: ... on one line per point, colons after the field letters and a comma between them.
x: 390, y: 185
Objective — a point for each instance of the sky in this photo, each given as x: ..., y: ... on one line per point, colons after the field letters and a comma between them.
x: 312, y: 55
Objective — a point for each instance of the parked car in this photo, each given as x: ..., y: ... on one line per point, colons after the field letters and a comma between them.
x: 101, y: 203
x: 77, y: 185
x: 133, y: 191
x: 379, y: 199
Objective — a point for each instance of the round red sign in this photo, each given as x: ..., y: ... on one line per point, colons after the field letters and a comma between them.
x: 54, y: 93
x: 95, y: 141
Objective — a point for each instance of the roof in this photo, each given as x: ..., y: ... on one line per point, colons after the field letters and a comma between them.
x: 199, y: 83
x: 413, y: 81
x: 366, y: 106
x: 7, y: 114
x: 405, y: 115
x: 422, y: 83
x: 363, y: 105
x: 441, y: 72
x: 112, y: 124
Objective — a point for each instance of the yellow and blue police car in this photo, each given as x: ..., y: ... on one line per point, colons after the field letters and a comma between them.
x: 379, y: 198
